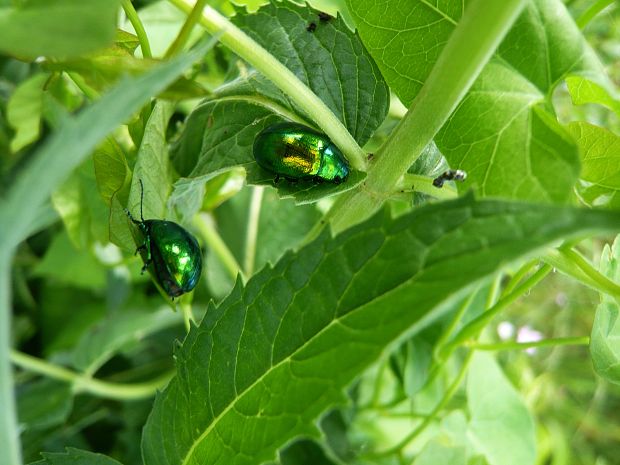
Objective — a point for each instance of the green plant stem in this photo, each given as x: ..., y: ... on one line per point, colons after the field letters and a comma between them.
x: 10, y: 446
x: 592, y: 11
x: 188, y: 315
x: 519, y: 275
x: 90, y: 385
x: 474, y: 327
x: 424, y: 185
x: 217, y: 245
x: 447, y: 396
x: 183, y: 35
x: 79, y: 81
x: 474, y: 40
x: 251, y: 236
x: 573, y: 264
x: 249, y: 50
x: 514, y: 345
x: 134, y: 19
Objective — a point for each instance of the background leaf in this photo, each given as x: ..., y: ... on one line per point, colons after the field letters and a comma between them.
x: 76, y: 26
x: 277, y: 353
x: 600, y: 160
x: 501, y: 425
x: 76, y: 457
x: 605, y: 337
x: 503, y: 133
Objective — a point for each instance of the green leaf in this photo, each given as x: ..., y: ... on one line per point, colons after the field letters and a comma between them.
x: 605, y: 337
x: 43, y: 403
x: 111, y: 170
x: 23, y: 111
x: 331, y: 60
x: 435, y: 453
x: 81, y: 208
x: 64, y: 151
x: 76, y: 457
x: 152, y: 169
x: 103, y: 340
x: 65, y: 264
x: 600, y: 161
x: 501, y: 425
x: 220, y: 132
x: 58, y: 28
x: 278, y: 352
x: 583, y: 90
x: 502, y: 133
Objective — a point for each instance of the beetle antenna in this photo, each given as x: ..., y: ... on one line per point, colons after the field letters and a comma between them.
x: 141, y: 198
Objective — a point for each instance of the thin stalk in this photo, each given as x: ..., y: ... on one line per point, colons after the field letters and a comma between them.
x: 603, y: 282
x: 447, y: 396
x: 474, y: 327
x: 578, y: 268
x: 514, y: 345
x: 251, y: 236
x: 183, y: 35
x: 79, y: 81
x: 10, y: 446
x: 474, y: 40
x: 592, y: 11
x: 424, y: 185
x: 134, y: 19
x: 188, y: 315
x: 216, y: 244
x: 90, y: 385
x: 519, y: 275
x: 248, y: 49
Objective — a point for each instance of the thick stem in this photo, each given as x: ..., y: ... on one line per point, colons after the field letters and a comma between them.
x: 134, y: 19
x: 90, y: 385
x: 474, y: 40
x: 10, y: 448
x: 248, y: 49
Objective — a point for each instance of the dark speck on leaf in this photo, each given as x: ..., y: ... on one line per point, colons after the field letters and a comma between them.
x: 311, y: 27
x: 324, y: 17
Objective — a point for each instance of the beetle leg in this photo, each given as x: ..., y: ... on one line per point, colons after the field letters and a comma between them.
x: 337, y: 180
x: 146, y: 265
x: 276, y: 179
x: 317, y: 180
x: 141, y: 247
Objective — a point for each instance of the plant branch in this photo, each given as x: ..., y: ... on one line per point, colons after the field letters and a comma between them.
x: 134, y: 19
x: 574, y: 265
x: 82, y: 383
x: 186, y: 30
x: 592, y: 11
x: 447, y: 396
x: 474, y: 327
x: 216, y: 244
x: 248, y: 49
x: 474, y: 40
x: 514, y: 345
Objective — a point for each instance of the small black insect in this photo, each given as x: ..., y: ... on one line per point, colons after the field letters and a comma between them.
x: 311, y: 27
x: 450, y: 175
x: 324, y: 17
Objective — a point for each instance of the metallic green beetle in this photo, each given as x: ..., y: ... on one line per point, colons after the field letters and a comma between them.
x: 297, y: 152
x: 170, y: 253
